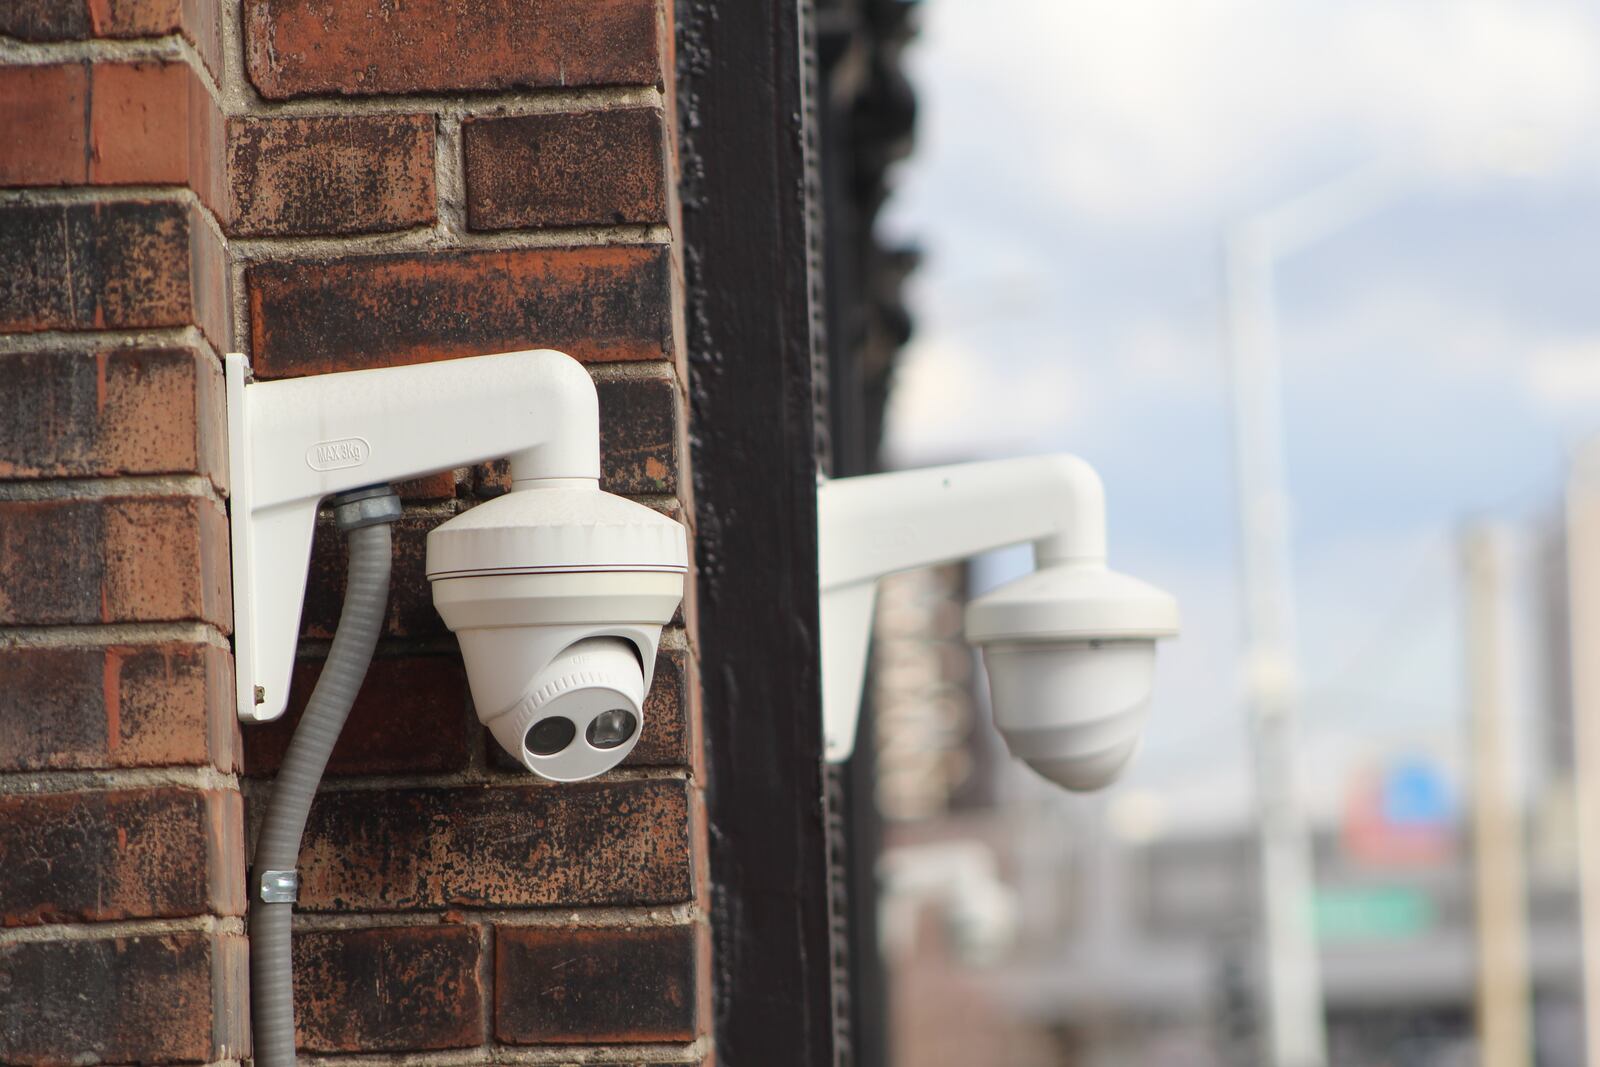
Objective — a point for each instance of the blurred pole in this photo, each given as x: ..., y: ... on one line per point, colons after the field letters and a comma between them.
x: 1498, y: 860
x: 1583, y: 577
x: 1291, y: 990
x: 1291, y: 983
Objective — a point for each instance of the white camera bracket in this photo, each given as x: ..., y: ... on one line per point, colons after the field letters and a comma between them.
x: 295, y: 441
x: 875, y: 525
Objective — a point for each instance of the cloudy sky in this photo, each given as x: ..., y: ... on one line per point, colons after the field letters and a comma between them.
x: 1077, y: 165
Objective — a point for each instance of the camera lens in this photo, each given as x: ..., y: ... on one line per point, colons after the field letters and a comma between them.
x: 549, y: 736
x: 611, y: 728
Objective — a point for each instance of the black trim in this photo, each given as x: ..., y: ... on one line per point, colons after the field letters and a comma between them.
x: 754, y: 439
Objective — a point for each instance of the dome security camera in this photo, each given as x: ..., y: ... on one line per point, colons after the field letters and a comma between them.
x: 557, y: 595
x: 1069, y: 649
x: 557, y: 591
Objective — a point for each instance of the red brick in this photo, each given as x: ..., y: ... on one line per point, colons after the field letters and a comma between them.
x: 388, y: 989
x: 590, y: 843
x: 135, y: 18
x: 560, y: 985
x: 157, y: 853
x: 42, y: 128
x: 411, y: 715
x: 595, y: 303
x: 639, y: 435
x: 559, y: 169
x: 111, y: 411
x: 208, y: 138
x: 65, y: 20
x: 638, y: 440
x: 123, y: 265
x: 139, y: 123
x: 114, y: 559
x: 72, y: 20
x: 441, y: 486
x: 119, y: 706
x: 201, y: 22
x: 159, y: 998
x: 45, y: 20
x: 96, y: 124
x: 664, y: 740
x: 346, y: 174
x: 301, y: 47
x: 210, y: 284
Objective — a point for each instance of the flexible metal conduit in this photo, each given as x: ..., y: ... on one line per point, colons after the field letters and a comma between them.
x: 364, y: 516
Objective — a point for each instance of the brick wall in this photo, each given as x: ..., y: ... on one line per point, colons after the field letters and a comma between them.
x: 325, y: 186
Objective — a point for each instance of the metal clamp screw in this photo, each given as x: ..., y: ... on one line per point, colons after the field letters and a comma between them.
x: 280, y: 887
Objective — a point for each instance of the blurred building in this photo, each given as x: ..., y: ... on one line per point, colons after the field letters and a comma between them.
x: 1133, y: 945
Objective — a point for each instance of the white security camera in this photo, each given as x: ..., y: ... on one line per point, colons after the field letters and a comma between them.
x: 558, y: 595
x: 1069, y: 649
x: 557, y: 591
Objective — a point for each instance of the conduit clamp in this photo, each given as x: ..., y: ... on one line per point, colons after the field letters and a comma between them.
x: 280, y: 887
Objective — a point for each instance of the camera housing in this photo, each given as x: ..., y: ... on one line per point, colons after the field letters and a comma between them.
x: 1069, y: 649
x: 556, y: 590
x: 557, y: 595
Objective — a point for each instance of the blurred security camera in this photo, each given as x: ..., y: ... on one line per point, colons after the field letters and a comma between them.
x: 1069, y: 649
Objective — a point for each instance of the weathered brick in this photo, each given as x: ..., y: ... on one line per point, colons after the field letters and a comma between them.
x: 665, y: 742
x: 411, y: 715
x: 639, y: 435
x: 299, y: 47
x: 388, y: 989
x: 114, y: 559
x: 62, y: 20
x: 566, y: 169
x: 344, y: 174
x: 45, y: 20
x: 595, y: 303
x: 96, y: 123
x: 441, y: 486
x: 563, y: 985
x: 639, y: 441
x: 589, y: 843
x: 159, y: 998
x: 664, y: 738
x: 121, y: 265
x: 129, y: 854
x: 72, y: 20
x: 98, y: 412
x: 119, y: 706
x: 134, y: 18
x: 210, y: 284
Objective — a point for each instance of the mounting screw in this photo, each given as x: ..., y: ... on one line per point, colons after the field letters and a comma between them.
x: 261, y: 695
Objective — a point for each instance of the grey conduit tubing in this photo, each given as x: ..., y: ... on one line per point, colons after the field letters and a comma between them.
x: 364, y: 515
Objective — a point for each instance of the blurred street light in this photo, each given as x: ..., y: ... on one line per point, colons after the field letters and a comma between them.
x: 1292, y: 991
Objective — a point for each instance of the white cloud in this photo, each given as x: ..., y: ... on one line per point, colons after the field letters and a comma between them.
x: 1075, y: 161
x: 950, y: 402
x: 1565, y: 376
x: 1139, y: 109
